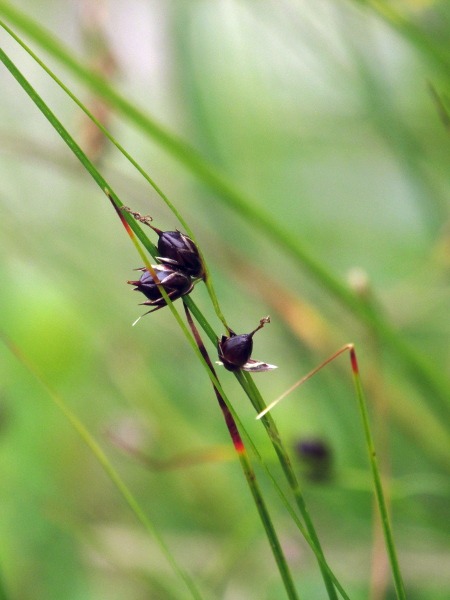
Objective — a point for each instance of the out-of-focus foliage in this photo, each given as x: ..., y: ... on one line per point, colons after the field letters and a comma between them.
x: 322, y: 112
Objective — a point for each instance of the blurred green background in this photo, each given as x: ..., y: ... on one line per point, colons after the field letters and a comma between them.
x: 322, y: 113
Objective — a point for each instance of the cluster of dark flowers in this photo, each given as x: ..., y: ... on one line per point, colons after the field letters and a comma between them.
x: 180, y: 267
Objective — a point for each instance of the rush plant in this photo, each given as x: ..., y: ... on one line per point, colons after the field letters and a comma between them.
x: 175, y: 265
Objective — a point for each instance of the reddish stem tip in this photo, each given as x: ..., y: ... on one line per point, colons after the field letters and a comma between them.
x: 354, y: 362
x: 239, y: 446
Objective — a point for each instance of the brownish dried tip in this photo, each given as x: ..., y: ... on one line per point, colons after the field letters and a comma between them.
x: 145, y: 219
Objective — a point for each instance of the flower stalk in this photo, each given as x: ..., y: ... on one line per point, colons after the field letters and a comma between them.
x: 248, y: 471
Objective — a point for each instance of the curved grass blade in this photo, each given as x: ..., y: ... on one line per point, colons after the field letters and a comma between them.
x: 107, y: 466
x: 388, y: 12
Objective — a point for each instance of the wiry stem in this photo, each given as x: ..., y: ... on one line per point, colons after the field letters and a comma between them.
x: 255, y: 397
x: 248, y: 471
x: 106, y: 464
x: 385, y: 521
x: 379, y: 494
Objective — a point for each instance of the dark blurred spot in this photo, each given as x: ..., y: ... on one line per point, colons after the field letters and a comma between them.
x: 316, y: 459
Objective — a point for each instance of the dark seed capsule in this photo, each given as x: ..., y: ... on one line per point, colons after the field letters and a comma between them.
x: 179, y: 251
x: 235, y: 350
x: 175, y: 283
x: 176, y: 249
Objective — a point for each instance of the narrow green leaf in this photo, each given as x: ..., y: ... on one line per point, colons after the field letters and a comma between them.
x: 107, y: 465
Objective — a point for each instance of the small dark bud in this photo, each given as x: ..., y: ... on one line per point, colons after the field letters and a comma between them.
x: 235, y: 351
x: 316, y: 456
x: 175, y: 283
x: 179, y: 251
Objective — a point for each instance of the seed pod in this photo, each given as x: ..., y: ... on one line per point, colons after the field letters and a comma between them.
x: 235, y: 351
x: 179, y: 251
x: 175, y: 283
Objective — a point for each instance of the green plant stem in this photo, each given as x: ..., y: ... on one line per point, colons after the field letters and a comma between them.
x: 248, y: 385
x: 417, y: 366
x: 255, y: 396
x: 267, y: 522
x: 187, y: 300
x: 106, y: 464
x: 246, y: 380
x: 385, y: 521
x: 248, y: 472
x: 250, y: 388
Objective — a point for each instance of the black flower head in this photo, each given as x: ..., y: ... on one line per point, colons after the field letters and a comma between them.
x: 235, y: 351
x: 175, y: 283
x: 316, y: 457
x: 179, y: 251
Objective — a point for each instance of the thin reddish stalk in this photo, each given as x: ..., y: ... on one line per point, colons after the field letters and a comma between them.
x: 306, y: 377
x: 248, y: 471
x: 378, y: 488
